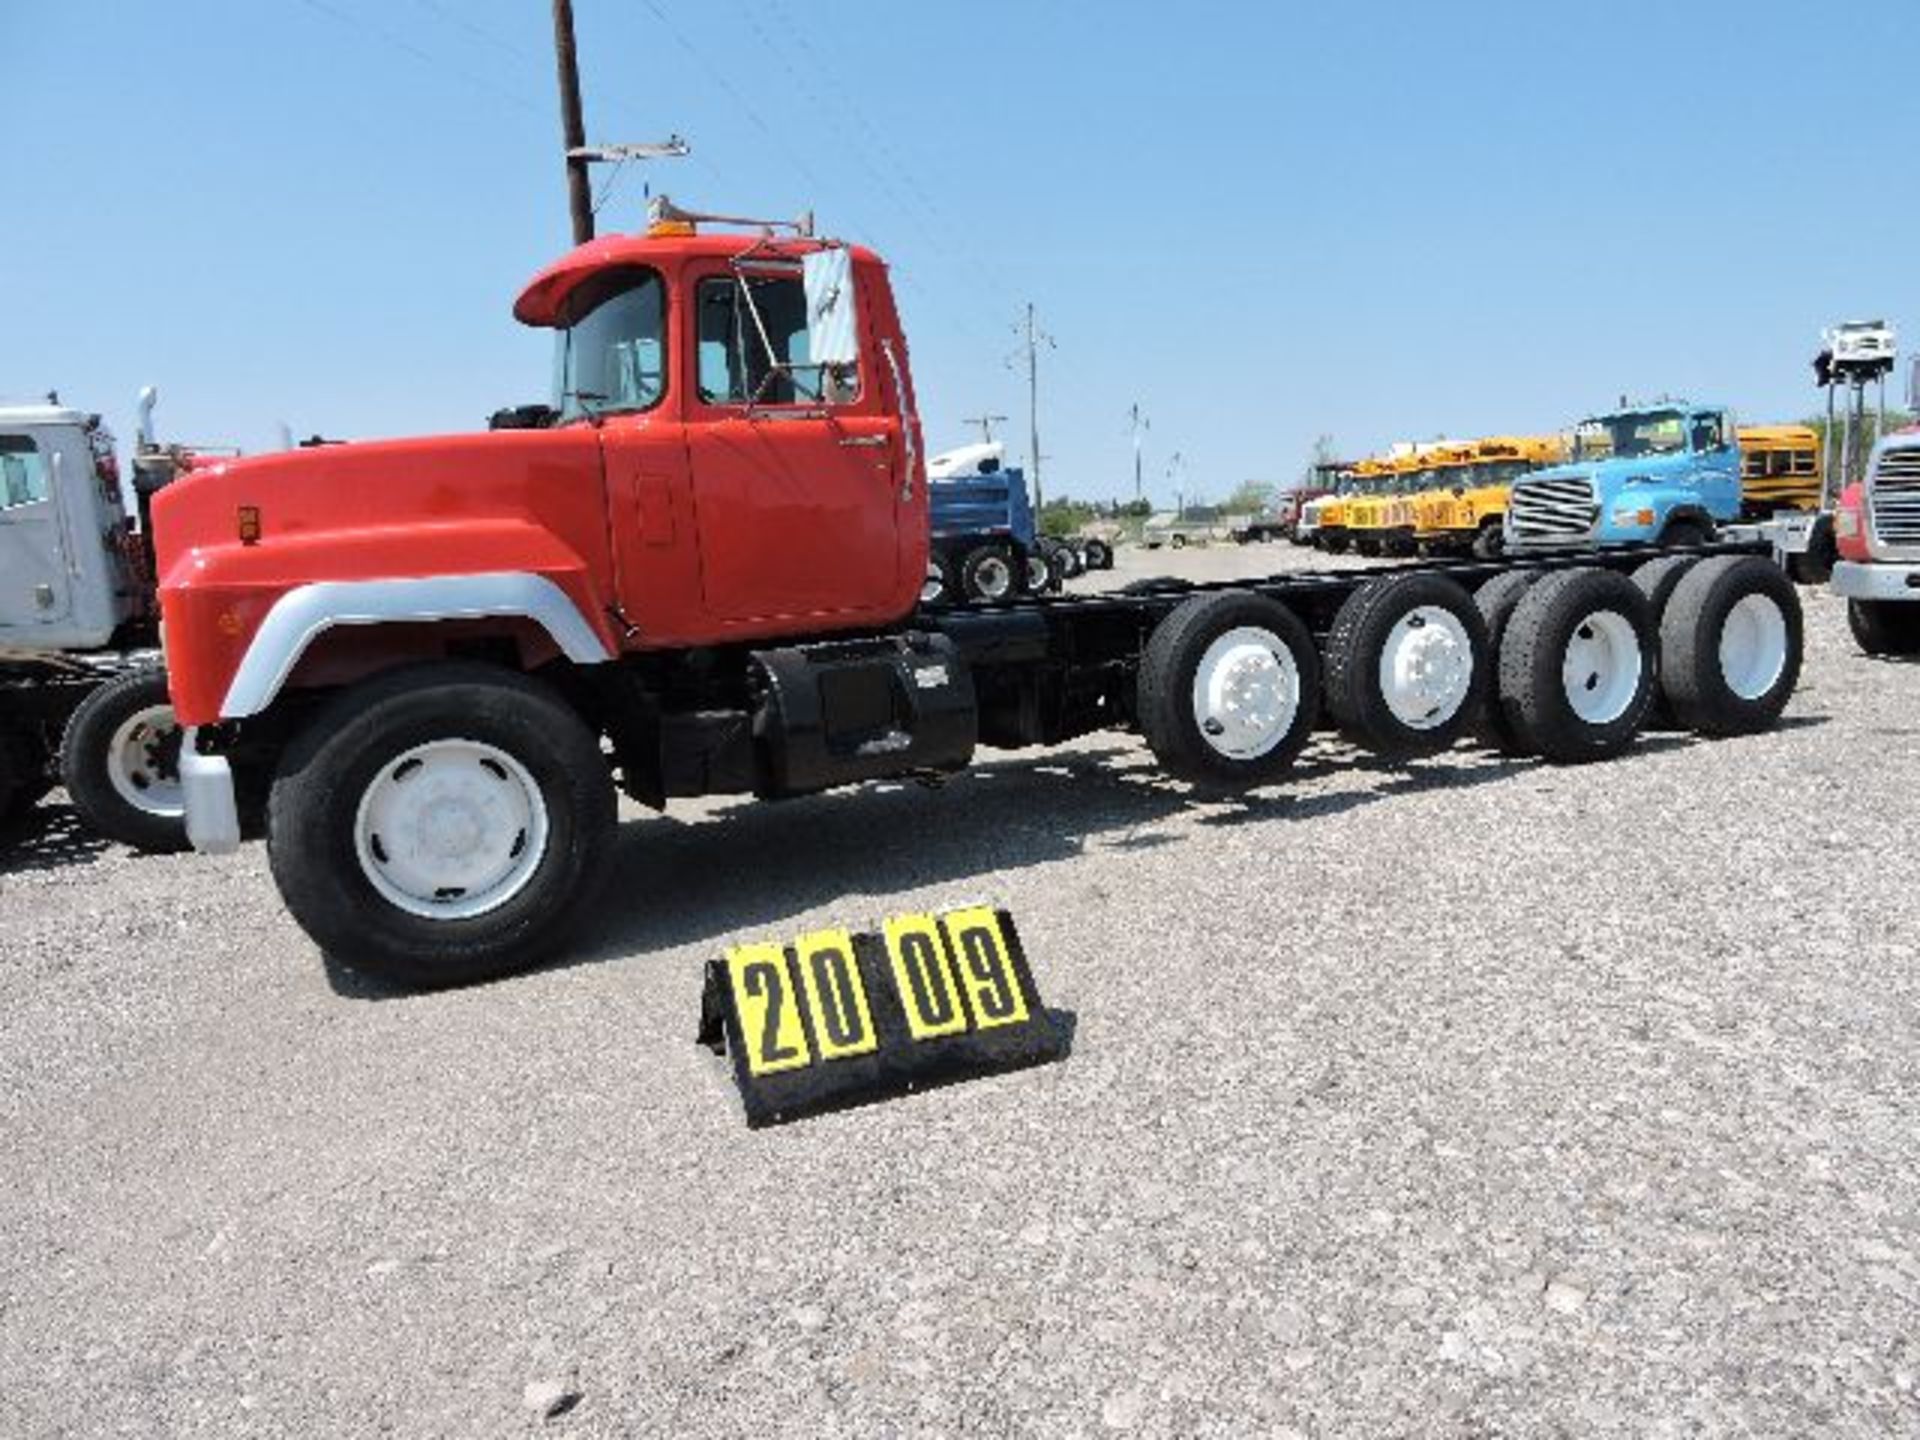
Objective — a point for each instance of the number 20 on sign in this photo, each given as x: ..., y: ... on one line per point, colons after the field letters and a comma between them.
x: 834, y: 1018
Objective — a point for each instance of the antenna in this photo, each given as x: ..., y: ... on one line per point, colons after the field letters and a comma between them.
x: 986, y: 424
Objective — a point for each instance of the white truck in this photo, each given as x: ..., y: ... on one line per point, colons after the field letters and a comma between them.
x: 83, y: 693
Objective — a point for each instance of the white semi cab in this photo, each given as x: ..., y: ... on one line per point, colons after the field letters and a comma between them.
x: 83, y: 694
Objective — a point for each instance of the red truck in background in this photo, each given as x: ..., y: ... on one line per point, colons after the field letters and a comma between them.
x: 698, y: 570
x: 1876, y: 526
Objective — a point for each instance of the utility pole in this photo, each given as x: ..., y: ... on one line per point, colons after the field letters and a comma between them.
x: 573, y: 125
x: 1139, y: 424
x: 1035, y: 337
x: 986, y: 424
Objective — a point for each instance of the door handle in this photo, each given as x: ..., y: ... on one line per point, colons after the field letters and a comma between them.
x: 864, y: 442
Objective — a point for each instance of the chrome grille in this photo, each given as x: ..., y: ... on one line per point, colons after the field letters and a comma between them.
x: 1894, y: 493
x: 1548, y: 510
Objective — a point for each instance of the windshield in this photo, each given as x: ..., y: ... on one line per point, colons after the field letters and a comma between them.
x: 1497, y: 472
x: 609, y: 356
x: 1650, y: 432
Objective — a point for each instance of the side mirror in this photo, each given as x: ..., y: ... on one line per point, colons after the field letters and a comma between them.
x: 827, y: 278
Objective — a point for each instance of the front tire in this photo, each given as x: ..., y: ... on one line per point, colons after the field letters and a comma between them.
x: 1885, y: 627
x: 120, y: 762
x: 1686, y: 531
x: 442, y: 824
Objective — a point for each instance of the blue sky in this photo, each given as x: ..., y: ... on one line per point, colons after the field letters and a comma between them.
x: 1263, y: 223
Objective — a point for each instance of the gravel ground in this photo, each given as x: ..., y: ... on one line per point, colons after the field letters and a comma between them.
x: 1473, y: 1098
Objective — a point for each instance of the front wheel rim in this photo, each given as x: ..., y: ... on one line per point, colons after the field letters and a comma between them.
x: 1753, y: 646
x: 143, y: 763
x: 1426, y: 667
x: 1600, y: 670
x: 1246, y: 693
x: 451, y: 829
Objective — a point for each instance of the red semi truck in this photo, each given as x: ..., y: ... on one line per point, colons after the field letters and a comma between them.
x: 698, y: 571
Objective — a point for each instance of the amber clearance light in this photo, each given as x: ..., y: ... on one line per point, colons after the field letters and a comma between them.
x: 248, y: 517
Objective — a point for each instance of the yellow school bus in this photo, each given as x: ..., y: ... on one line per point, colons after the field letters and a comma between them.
x: 1779, y: 469
x: 1467, y: 513
x: 1331, y: 531
x: 1371, y: 518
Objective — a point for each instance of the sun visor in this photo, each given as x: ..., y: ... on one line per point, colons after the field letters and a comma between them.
x: 549, y: 298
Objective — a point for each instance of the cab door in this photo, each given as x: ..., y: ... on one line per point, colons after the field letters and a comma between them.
x: 34, y: 573
x: 797, y: 468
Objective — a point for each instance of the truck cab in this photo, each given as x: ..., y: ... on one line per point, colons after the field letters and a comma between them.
x: 69, y: 560
x: 730, y: 454
x: 1666, y: 473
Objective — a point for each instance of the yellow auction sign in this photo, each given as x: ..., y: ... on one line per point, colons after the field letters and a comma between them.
x: 832, y: 1018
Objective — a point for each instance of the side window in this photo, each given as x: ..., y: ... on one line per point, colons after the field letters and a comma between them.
x: 23, y: 473
x: 752, y: 339
x: 1706, y: 433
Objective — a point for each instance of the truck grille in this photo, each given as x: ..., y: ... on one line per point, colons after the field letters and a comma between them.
x: 1894, y: 493
x: 1549, y: 510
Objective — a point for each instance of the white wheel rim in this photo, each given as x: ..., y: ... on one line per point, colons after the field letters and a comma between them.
x: 1601, y: 668
x: 934, y: 586
x: 143, y: 762
x: 1753, y: 646
x: 994, y: 577
x: 1426, y: 667
x: 451, y: 829
x: 1036, y: 573
x: 1246, y: 692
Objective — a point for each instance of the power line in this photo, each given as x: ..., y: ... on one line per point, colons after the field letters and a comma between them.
x: 426, y: 57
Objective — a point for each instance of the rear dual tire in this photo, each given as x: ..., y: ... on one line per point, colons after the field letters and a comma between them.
x: 1731, y: 641
x: 1407, y: 663
x: 1577, y: 667
x: 987, y: 573
x: 1229, y: 690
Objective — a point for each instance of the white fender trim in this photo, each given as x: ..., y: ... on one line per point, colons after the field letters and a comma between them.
x: 301, y: 614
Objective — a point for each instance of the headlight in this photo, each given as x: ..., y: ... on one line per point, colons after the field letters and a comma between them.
x: 1633, y: 517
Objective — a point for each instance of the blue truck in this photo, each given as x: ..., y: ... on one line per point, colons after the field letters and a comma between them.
x: 1666, y: 473
x: 985, y: 544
